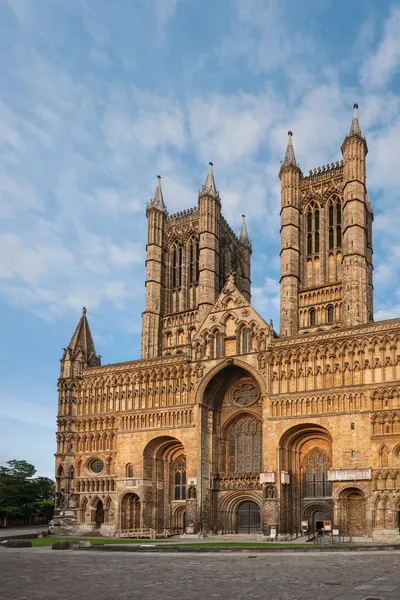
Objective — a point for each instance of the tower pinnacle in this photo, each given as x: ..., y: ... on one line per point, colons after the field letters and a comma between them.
x: 209, y: 184
x: 157, y: 200
x: 290, y: 158
x: 355, y: 124
x: 244, y: 236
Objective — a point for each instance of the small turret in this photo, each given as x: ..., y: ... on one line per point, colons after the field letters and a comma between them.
x: 290, y: 158
x: 209, y: 186
x: 355, y: 128
x: 80, y: 351
x: 244, y: 236
x: 157, y: 200
x: 245, y: 263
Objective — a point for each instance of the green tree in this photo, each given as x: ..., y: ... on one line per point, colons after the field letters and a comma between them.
x: 21, y: 494
x: 18, y: 468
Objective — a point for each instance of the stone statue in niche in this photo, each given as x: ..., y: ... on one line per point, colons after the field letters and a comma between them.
x: 270, y: 492
x: 192, y: 493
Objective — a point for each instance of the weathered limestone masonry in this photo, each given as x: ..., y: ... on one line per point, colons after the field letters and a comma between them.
x: 223, y: 426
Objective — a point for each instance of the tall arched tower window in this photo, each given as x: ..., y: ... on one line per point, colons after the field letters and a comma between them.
x: 312, y: 228
x: 180, y: 479
x: 176, y: 266
x: 193, y: 260
x: 312, y: 315
x: 334, y: 223
x: 244, y: 445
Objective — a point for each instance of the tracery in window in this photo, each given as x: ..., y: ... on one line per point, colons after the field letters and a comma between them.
x: 315, y: 475
x: 180, y: 479
x: 244, y: 445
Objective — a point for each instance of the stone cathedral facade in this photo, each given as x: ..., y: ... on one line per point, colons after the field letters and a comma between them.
x: 224, y: 426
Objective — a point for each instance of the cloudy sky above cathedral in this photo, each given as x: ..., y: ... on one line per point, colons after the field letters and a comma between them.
x: 99, y: 97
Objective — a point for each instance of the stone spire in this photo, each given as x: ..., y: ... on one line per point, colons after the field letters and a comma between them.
x: 290, y: 158
x: 209, y: 184
x: 244, y: 236
x: 157, y: 200
x: 355, y: 128
x: 82, y: 340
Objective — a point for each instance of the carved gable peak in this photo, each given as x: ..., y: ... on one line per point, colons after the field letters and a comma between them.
x: 232, y: 304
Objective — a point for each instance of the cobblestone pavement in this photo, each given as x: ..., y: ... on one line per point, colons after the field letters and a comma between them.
x: 45, y: 574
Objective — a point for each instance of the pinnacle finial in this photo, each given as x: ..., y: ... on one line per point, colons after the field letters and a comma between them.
x: 355, y: 128
x: 244, y: 236
x: 84, y: 311
x: 157, y: 200
x: 290, y: 158
x: 209, y: 186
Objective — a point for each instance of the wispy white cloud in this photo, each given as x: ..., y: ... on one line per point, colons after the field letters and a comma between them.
x: 384, y: 62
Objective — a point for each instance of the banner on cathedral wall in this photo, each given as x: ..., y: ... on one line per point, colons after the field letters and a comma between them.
x: 349, y: 474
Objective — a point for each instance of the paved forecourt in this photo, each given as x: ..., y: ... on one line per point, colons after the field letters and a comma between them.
x: 43, y: 574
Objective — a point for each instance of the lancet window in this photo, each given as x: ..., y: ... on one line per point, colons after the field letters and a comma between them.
x: 180, y: 479
x: 194, y: 252
x: 334, y: 223
x: 312, y: 219
x: 176, y: 266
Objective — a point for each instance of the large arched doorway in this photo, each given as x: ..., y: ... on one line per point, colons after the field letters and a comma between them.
x: 130, y: 512
x: 179, y: 520
x: 98, y: 514
x: 352, y: 511
x: 164, y: 468
x: 248, y: 517
x: 316, y: 514
x: 305, y: 453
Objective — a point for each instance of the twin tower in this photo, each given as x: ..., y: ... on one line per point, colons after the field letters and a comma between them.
x: 326, y: 253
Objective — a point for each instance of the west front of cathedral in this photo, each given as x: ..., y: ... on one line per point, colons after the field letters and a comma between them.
x: 223, y: 426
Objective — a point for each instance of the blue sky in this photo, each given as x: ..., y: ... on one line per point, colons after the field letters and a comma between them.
x: 98, y: 97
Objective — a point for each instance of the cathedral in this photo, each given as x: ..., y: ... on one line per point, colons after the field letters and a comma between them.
x: 224, y: 425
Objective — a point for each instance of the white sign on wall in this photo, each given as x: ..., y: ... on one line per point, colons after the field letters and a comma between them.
x: 268, y: 477
x: 285, y: 477
x: 349, y: 474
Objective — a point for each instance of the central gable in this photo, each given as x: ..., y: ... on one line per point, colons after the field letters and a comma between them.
x: 231, y: 327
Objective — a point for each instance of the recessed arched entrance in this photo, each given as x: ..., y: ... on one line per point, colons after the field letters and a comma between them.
x: 316, y: 514
x: 130, y: 512
x: 248, y: 517
x: 352, y: 511
x: 164, y: 469
x: 305, y: 453
x: 99, y: 514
